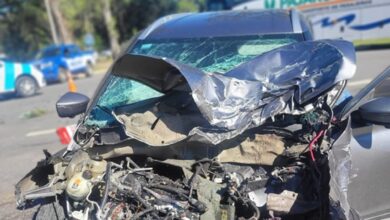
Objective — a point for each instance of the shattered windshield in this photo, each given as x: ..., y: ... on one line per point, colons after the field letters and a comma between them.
x: 119, y: 92
x: 217, y: 55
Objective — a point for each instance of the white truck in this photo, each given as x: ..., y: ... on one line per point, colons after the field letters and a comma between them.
x: 348, y: 19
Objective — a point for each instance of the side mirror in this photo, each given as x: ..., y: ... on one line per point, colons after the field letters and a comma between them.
x: 376, y: 111
x: 71, y: 104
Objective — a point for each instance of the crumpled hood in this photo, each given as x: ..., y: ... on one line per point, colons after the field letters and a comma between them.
x: 279, y: 81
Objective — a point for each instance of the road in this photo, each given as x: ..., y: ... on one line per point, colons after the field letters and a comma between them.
x: 23, y: 138
x: 369, y: 64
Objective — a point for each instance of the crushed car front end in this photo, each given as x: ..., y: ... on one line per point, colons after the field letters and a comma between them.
x: 166, y: 140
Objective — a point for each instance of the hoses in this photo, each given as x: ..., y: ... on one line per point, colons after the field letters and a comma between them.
x: 130, y: 161
x: 313, y: 142
x: 93, y: 203
x: 200, y: 206
x: 139, y: 214
x: 148, y: 207
x: 257, y: 211
x: 107, y: 184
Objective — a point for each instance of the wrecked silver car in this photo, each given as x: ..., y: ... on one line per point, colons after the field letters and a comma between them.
x: 201, y: 133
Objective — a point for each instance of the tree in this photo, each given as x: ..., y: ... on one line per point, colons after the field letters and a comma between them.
x: 135, y: 15
x: 24, y: 24
x: 66, y: 35
x: 111, y: 28
x: 187, y: 6
x: 20, y: 40
x: 85, y: 17
x: 51, y: 22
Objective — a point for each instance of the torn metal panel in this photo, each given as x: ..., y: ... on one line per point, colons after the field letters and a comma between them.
x: 287, y: 202
x: 340, y: 164
x: 216, y: 55
x: 260, y: 150
x: 166, y: 130
x: 280, y: 81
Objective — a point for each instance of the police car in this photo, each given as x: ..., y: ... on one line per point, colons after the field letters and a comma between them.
x: 22, y: 78
x: 56, y: 61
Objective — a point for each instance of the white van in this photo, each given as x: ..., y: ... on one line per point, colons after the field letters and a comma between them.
x: 348, y: 19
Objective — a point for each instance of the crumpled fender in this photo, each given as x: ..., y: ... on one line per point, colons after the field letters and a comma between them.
x: 37, y: 183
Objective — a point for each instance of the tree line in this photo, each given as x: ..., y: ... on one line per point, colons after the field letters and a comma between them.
x: 25, y: 24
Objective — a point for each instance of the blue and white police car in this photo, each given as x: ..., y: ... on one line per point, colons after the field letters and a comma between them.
x: 56, y: 61
x: 22, y: 78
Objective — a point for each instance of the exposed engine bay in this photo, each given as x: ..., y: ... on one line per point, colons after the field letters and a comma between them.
x: 204, y: 150
x: 272, y: 173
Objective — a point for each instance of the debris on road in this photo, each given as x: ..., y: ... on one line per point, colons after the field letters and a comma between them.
x: 34, y: 113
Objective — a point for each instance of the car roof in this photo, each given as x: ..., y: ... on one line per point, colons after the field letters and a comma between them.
x: 224, y: 23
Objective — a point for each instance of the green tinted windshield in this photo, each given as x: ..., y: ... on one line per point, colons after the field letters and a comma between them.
x: 119, y: 92
x: 217, y: 55
x: 214, y: 54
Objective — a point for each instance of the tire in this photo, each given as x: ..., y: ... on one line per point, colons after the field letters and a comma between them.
x: 53, y: 211
x: 26, y: 86
x: 62, y: 75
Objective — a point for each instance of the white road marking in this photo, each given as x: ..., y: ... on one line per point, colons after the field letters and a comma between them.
x: 359, y: 83
x: 39, y: 133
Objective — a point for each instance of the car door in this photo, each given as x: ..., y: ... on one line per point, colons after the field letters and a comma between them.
x: 8, y: 77
x: 74, y: 59
x: 369, y: 188
x: 48, y: 62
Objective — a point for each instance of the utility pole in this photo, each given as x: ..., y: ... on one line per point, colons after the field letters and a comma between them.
x: 51, y: 22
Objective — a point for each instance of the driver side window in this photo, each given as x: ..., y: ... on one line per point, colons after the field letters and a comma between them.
x: 66, y: 52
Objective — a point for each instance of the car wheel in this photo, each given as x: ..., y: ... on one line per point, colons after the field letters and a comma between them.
x: 62, y: 75
x: 26, y: 86
x: 51, y: 210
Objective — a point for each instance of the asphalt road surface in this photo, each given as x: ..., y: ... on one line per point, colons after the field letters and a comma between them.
x: 22, y: 137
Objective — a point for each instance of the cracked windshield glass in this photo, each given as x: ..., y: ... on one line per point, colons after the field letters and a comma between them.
x: 213, y: 55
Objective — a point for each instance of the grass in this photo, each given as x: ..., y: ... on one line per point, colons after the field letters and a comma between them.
x: 372, y: 42
x: 102, y: 65
x: 34, y: 113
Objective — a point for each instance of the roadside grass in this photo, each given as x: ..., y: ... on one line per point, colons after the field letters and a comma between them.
x: 34, y: 113
x: 102, y: 65
x: 372, y: 42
